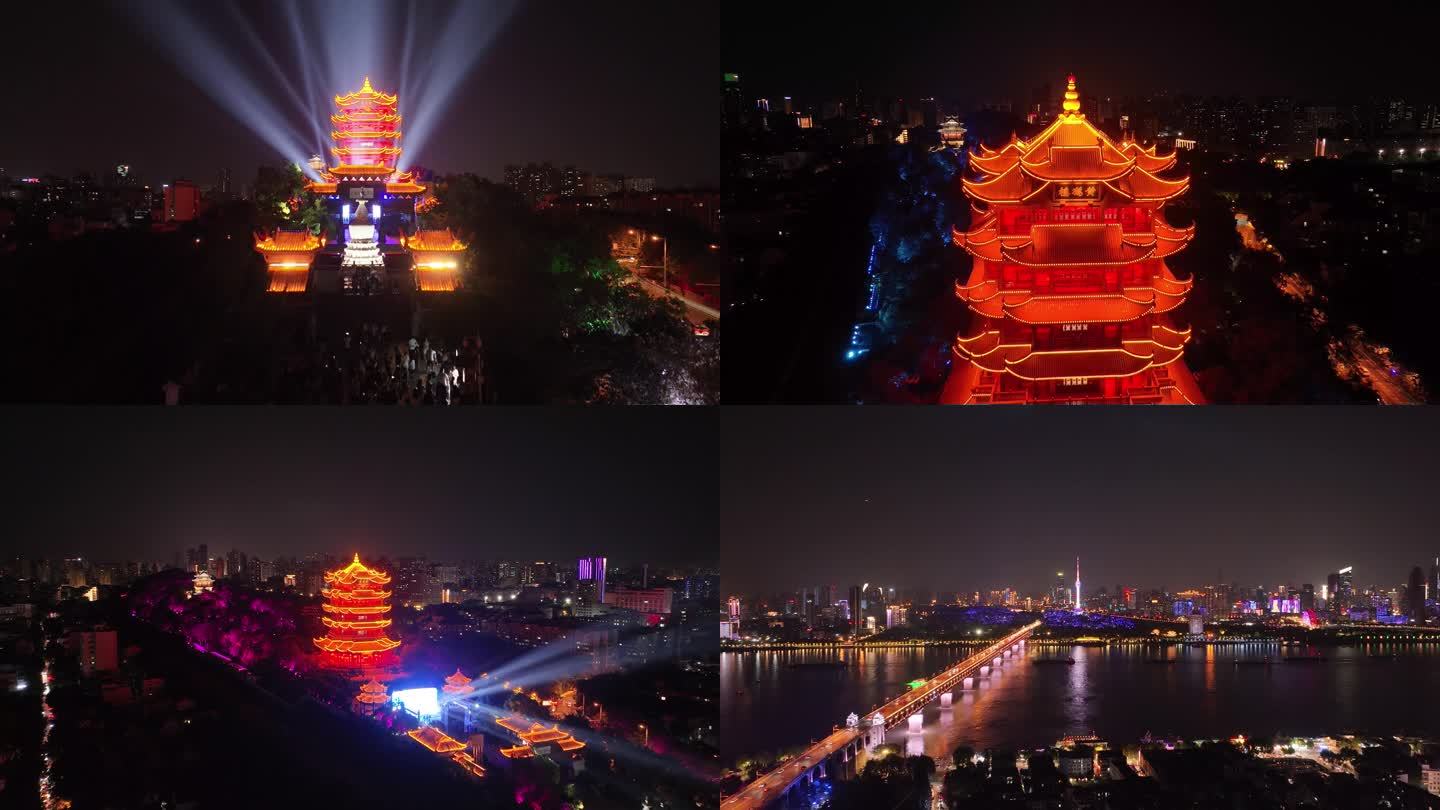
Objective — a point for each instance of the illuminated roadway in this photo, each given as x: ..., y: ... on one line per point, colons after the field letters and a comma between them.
x: 696, y: 312
x: 772, y: 786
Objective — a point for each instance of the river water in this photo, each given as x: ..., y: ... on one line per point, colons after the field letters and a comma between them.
x: 1118, y: 692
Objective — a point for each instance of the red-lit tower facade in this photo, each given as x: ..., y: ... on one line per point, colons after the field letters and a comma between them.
x: 357, y: 613
x: 1071, y: 297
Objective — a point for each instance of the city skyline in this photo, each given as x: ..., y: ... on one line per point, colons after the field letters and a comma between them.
x: 115, y: 485
x: 536, y: 91
x: 1251, y: 499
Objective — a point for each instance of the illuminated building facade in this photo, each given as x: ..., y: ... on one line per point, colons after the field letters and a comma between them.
x: 590, y: 579
x: 182, y: 201
x: 1071, y: 297
x: 357, y: 609
x: 97, y: 650
x: 288, y: 256
x: 439, y: 258
x: 641, y: 600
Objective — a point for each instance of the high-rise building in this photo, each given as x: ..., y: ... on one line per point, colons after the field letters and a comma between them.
x: 1073, y: 298
x: 1307, y: 598
x: 536, y: 181
x: 590, y: 579
x: 182, y: 201
x: 1415, y: 595
x: 810, y: 605
x: 414, y: 584
x: 1434, y: 594
x: 1430, y: 779
x: 732, y: 102
x: 857, y: 608
x: 702, y: 587
x: 572, y: 182
x: 96, y: 649
x: 602, y: 185
x: 1345, y: 587
x: 539, y: 572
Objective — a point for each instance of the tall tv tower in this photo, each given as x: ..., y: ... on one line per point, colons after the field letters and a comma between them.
x: 1077, y: 584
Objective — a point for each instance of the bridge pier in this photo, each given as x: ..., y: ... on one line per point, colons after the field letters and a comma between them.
x: 996, y: 662
x: 917, y: 723
x: 1007, y: 654
x: 968, y: 683
x: 947, y: 699
x: 984, y: 670
x: 845, y: 768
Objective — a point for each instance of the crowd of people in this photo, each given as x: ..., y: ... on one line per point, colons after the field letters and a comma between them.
x: 377, y: 367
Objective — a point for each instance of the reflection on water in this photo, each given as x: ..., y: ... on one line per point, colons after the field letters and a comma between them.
x: 1118, y: 692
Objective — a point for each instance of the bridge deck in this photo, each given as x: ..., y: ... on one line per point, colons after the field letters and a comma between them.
x: 772, y: 785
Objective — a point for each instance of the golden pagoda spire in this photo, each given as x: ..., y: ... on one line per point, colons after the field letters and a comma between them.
x: 1071, y: 104
x: 366, y: 88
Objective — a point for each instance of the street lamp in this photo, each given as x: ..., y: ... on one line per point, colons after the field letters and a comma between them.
x: 664, y: 260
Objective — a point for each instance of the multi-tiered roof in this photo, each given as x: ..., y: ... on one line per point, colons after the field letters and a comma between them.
x: 367, y: 142
x: 371, y: 695
x: 356, y: 614
x: 1068, y: 276
x: 457, y: 684
x: 438, y: 258
x: 288, y: 255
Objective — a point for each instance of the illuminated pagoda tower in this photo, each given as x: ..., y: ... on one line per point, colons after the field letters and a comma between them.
x: 357, y: 608
x: 366, y: 135
x: 1071, y: 295
x: 371, y: 696
x: 952, y: 133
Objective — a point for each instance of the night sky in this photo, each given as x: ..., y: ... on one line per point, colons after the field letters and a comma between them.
x: 1000, y: 50
x: 625, y: 87
x: 960, y: 500
x: 533, y: 483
